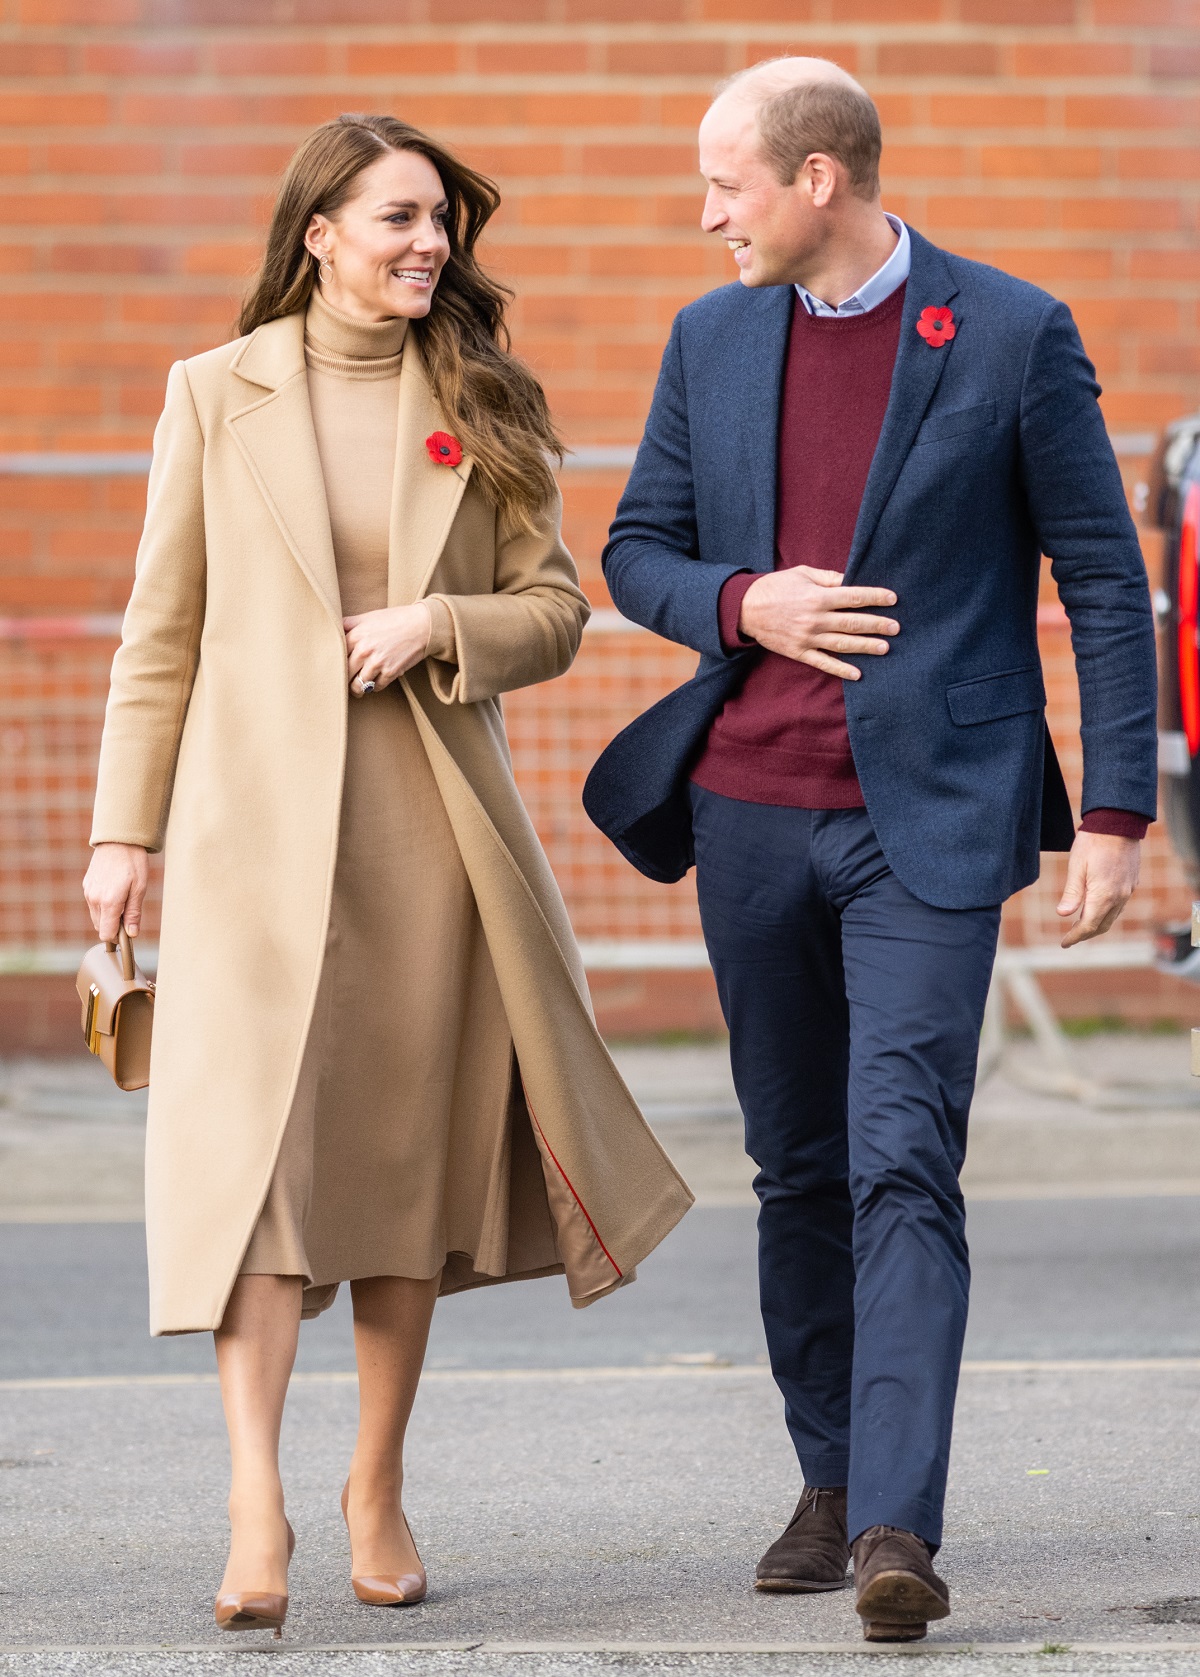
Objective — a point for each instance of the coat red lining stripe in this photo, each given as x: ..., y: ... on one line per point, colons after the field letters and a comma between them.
x: 570, y: 1185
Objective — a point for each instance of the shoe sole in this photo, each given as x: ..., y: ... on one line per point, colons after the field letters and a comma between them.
x: 900, y: 1598
x: 875, y: 1631
x: 798, y: 1586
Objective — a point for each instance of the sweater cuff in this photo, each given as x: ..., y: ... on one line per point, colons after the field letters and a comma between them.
x: 443, y: 644
x: 1117, y: 823
x: 729, y: 610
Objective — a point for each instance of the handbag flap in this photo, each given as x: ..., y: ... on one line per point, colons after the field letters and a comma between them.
x: 100, y: 976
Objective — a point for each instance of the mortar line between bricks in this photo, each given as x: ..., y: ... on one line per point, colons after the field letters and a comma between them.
x: 655, y: 1371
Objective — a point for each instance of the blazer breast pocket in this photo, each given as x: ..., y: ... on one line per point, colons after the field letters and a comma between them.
x: 991, y: 697
x: 939, y: 426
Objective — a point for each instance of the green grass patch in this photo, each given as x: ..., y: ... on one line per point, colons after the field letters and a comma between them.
x: 1111, y: 1024
x: 1094, y: 1024
x: 670, y: 1039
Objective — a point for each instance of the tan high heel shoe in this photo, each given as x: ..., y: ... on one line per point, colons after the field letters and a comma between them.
x: 255, y: 1609
x: 405, y: 1591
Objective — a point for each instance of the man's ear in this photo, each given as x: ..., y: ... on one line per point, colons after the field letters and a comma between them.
x: 819, y: 171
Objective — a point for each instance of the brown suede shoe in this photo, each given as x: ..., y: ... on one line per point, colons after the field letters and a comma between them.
x: 813, y: 1552
x: 896, y: 1589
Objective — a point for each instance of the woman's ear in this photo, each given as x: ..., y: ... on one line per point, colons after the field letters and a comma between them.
x: 316, y: 236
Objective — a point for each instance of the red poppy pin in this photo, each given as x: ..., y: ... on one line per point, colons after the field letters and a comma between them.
x: 936, y: 326
x: 444, y: 450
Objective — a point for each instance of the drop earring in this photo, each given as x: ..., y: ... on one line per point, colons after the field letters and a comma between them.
x: 322, y: 265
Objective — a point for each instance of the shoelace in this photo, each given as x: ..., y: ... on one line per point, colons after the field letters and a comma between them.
x: 810, y: 1500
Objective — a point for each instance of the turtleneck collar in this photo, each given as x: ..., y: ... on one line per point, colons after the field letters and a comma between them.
x: 363, y: 347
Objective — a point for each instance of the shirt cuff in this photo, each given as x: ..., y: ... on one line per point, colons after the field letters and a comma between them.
x: 1117, y: 823
x: 729, y: 610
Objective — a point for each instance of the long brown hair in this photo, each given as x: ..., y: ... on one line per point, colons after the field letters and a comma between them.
x: 494, y: 403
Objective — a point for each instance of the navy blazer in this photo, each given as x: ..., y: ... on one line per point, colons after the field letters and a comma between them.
x: 993, y: 451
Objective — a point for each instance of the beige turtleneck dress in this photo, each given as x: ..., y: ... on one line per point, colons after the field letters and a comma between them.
x: 395, y: 1159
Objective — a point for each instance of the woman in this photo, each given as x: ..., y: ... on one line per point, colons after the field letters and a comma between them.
x: 374, y: 1058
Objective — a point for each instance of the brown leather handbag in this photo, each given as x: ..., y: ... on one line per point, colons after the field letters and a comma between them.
x: 118, y: 1011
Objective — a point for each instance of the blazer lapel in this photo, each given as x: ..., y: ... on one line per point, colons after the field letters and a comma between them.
x: 276, y: 437
x: 914, y: 380
x: 759, y: 374
x: 425, y: 495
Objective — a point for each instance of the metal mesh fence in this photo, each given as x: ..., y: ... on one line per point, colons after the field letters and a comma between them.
x: 52, y: 693
x: 557, y: 732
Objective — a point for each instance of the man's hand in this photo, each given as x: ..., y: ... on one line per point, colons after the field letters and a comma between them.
x: 807, y: 615
x: 1101, y: 876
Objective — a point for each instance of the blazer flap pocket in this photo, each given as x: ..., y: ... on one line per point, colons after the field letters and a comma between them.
x: 941, y: 425
x: 993, y: 696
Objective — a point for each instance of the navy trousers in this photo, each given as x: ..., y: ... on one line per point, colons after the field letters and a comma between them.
x: 854, y: 1011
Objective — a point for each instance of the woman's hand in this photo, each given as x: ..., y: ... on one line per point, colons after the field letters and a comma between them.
x: 114, y: 887
x: 381, y: 645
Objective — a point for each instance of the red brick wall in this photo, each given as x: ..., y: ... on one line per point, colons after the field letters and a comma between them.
x: 140, y: 141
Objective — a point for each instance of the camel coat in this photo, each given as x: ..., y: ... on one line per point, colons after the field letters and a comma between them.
x: 225, y: 739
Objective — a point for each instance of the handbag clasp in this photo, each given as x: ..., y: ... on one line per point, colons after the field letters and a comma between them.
x: 90, y: 1031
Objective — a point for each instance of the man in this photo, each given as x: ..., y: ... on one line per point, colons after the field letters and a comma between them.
x: 854, y: 460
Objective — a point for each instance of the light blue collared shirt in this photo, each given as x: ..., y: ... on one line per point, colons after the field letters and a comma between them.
x: 878, y: 288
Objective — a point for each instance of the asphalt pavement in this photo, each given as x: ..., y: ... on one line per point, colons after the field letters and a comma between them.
x: 504, y: 1661
x: 613, y: 1507
x: 1052, y: 1279
x: 590, y: 1489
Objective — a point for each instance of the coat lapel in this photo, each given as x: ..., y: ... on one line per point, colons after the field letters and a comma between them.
x: 914, y: 380
x: 276, y: 437
x: 761, y: 366
x: 425, y: 495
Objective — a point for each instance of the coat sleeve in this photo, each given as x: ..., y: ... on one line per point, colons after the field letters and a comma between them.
x: 526, y: 630
x: 651, y: 562
x: 155, y: 665
x: 1077, y: 504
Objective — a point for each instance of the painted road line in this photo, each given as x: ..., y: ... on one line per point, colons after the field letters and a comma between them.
x: 877, y: 1651
x: 1183, y: 1187
x: 715, y: 1370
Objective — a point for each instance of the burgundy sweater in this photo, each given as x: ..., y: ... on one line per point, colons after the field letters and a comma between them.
x: 782, y: 738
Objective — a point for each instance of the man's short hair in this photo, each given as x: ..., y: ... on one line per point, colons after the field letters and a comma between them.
x: 834, y: 117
